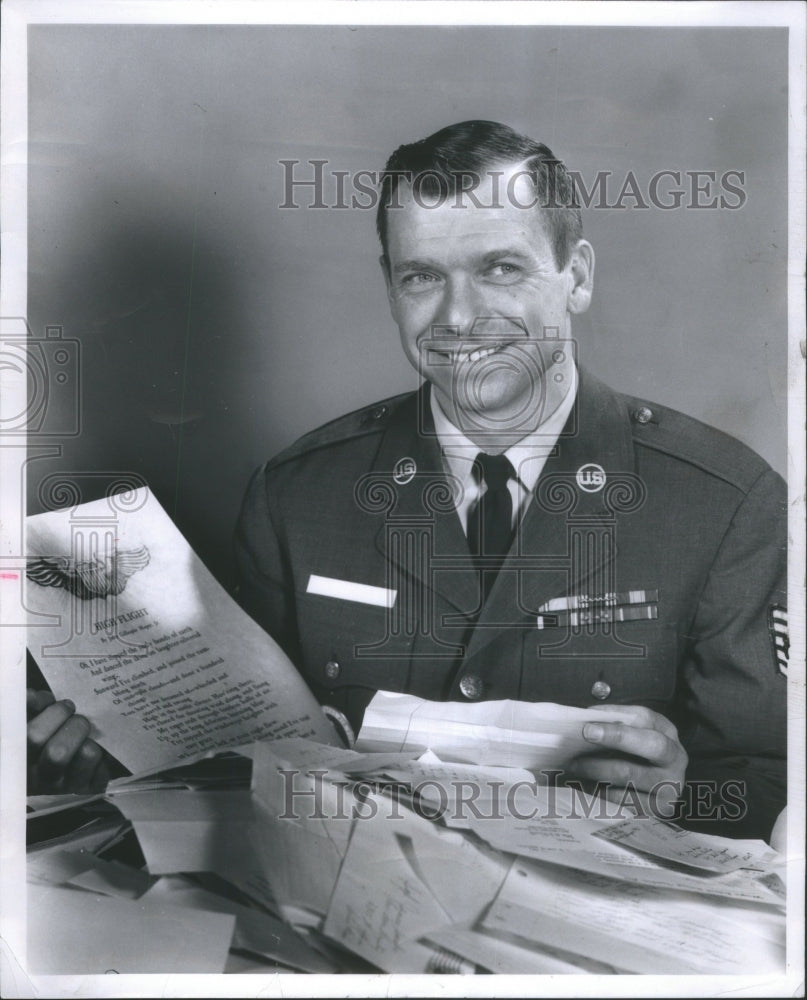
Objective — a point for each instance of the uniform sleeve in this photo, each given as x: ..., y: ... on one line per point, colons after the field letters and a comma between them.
x: 265, y: 583
x: 735, y: 689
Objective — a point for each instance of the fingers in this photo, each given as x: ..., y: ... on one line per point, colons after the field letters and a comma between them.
x: 44, y: 725
x: 36, y: 701
x: 61, y: 749
x: 87, y: 770
x: 641, y: 717
x: 650, y: 745
x: 640, y: 749
x: 61, y: 757
x: 615, y: 773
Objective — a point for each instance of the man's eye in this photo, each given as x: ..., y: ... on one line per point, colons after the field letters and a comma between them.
x: 418, y: 278
x: 503, y: 270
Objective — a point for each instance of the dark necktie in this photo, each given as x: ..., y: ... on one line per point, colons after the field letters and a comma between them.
x: 490, y: 524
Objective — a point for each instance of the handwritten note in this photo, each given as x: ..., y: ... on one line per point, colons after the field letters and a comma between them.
x: 698, y: 850
x: 635, y: 928
x: 126, y: 621
x: 380, y: 905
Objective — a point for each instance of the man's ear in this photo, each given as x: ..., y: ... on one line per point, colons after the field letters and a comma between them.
x: 581, y: 271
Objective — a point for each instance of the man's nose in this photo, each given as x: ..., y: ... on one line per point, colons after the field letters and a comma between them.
x: 460, y: 308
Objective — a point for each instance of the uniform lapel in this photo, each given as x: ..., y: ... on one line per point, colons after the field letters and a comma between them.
x: 546, y: 559
x: 421, y: 535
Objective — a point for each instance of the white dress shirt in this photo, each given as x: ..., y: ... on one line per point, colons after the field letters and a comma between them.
x: 527, y: 456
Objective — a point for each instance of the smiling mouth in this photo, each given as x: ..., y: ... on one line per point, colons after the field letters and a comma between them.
x: 470, y: 356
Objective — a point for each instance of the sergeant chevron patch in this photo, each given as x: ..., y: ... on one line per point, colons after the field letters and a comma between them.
x: 777, y: 627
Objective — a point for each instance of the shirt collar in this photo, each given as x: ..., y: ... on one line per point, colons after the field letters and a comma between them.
x: 527, y: 456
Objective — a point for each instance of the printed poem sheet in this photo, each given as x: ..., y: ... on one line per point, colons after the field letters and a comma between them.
x: 126, y: 622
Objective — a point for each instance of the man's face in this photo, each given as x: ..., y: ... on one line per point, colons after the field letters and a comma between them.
x: 482, y: 308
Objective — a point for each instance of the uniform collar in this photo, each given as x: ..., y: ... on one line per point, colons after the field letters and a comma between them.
x: 526, y: 456
x: 597, y: 431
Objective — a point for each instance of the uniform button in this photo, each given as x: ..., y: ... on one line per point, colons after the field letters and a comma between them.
x: 643, y: 415
x: 471, y: 687
x: 378, y: 412
x: 332, y: 670
x: 601, y: 690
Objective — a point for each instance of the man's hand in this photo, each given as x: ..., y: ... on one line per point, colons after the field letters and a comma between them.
x: 640, y: 749
x: 61, y: 756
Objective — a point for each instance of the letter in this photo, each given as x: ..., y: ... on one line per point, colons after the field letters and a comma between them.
x: 551, y: 798
x: 290, y: 795
x: 361, y: 791
x: 739, y: 191
x: 631, y: 797
x: 391, y: 795
x: 737, y: 799
x: 511, y: 185
x: 290, y: 183
x: 418, y: 183
x: 340, y: 176
x: 371, y: 192
x: 511, y: 797
x: 340, y: 787
x: 475, y: 790
x: 597, y: 797
x: 405, y: 175
x: 630, y: 189
x: 496, y: 176
x: 551, y: 185
x: 586, y: 197
x: 677, y: 194
x: 697, y: 189
x: 654, y: 807
x: 418, y: 802
x: 697, y: 799
x: 462, y: 189
x: 495, y: 802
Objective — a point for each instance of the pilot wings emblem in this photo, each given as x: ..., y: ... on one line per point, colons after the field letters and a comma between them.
x: 99, y: 577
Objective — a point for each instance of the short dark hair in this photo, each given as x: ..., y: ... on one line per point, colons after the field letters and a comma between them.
x: 442, y: 161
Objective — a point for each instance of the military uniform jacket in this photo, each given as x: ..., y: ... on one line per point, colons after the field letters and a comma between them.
x: 651, y: 554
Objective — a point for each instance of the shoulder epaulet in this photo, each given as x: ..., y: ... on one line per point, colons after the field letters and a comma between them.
x: 368, y: 420
x: 690, y: 440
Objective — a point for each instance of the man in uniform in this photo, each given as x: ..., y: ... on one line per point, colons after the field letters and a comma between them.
x: 516, y: 529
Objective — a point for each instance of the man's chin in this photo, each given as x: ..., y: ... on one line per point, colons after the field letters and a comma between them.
x: 495, y: 416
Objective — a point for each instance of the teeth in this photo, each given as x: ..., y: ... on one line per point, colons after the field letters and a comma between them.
x: 483, y: 352
x: 472, y: 356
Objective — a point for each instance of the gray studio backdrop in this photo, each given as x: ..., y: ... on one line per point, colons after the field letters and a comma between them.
x: 215, y: 327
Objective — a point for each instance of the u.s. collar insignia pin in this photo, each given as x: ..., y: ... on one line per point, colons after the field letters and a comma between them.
x: 404, y: 471
x: 590, y: 477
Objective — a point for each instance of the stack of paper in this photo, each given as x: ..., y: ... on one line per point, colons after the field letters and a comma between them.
x: 374, y: 868
x: 392, y: 859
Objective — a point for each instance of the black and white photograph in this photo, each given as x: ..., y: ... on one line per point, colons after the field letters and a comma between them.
x: 402, y: 452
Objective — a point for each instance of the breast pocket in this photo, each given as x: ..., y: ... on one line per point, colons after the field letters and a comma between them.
x: 630, y: 663
x: 348, y: 643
